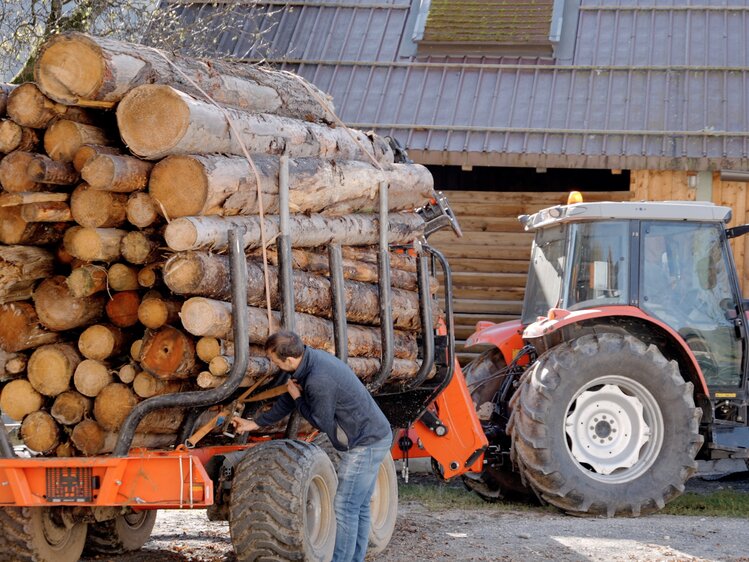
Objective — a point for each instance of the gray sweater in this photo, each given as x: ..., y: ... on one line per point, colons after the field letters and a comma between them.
x: 334, y: 401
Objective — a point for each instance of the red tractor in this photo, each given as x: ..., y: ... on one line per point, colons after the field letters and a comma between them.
x: 629, y: 362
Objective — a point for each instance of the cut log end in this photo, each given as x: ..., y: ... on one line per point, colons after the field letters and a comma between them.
x: 69, y: 69
x: 190, y: 175
x: 19, y: 398
x: 180, y: 235
x: 40, y: 432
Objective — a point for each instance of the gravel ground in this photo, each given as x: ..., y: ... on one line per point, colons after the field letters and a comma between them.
x: 488, y: 534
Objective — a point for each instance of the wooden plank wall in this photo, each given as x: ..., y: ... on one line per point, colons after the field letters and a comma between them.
x: 490, y: 262
x: 670, y: 185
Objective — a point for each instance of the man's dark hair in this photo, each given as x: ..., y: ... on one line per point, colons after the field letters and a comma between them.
x: 285, y: 344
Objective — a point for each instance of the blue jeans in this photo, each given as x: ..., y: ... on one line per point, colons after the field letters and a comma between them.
x: 357, y: 475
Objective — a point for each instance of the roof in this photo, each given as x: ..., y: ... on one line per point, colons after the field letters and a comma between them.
x: 634, y: 84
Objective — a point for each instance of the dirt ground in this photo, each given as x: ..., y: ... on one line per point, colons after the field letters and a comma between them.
x: 487, y: 534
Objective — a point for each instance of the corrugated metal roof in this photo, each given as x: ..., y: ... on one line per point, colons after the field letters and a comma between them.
x: 657, y: 85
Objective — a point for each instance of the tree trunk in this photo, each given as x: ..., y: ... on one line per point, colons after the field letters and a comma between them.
x: 13, y: 173
x: 139, y: 247
x: 91, y: 377
x: 63, y: 138
x: 43, y: 169
x: 141, y: 210
x: 112, y: 68
x: 206, y: 317
x: 214, y: 184
x: 39, y: 432
x: 94, y: 208
x: 58, y: 309
x: 168, y: 353
x: 15, y: 230
x: 88, y: 151
x: 20, y: 328
x: 208, y: 275
x: 113, y: 404
x: 164, y: 421
x: 101, y: 341
x: 122, y: 308
x: 51, y: 211
x: 19, y: 398
x: 14, y: 137
x: 94, y: 244
x: 51, y: 367
x: 146, y: 385
x: 156, y: 312
x: 121, y: 174
x: 88, y: 437
x: 29, y: 107
x: 197, y: 233
x: 177, y: 123
x: 86, y: 280
x: 401, y: 261
x: 20, y: 268
x: 122, y: 277
x: 70, y: 407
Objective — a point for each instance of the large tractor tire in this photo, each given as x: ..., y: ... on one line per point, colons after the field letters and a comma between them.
x: 384, y: 505
x: 124, y: 533
x: 281, y: 505
x: 604, y: 425
x: 40, y: 534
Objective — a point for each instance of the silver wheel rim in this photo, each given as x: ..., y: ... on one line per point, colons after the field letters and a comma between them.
x: 319, y: 514
x: 614, y: 429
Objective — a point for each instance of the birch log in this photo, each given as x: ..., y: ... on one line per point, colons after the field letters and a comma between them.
x: 157, y: 120
x: 146, y: 385
x: 14, y: 137
x: 58, y: 309
x: 117, y: 173
x: 94, y: 244
x: 226, y: 185
x: 5, y: 90
x: 197, y: 233
x: 45, y: 170
x: 70, y: 407
x: 113, y: 404
x: 13, y: 172
x: 141, y: 210
x: 122, y: 277
x: 15, y: 230
x: 50, y: 211
x: 91, y: 377
x: 86, y: 280
x: 63, y: 138
x: 51, y: 367
x: 88, y: 151
x: 101, y: 341
x: 94, y: 208
x: 74, y: 68
x: 40, y: 432
x: 29, y: 107
x: 88, y: 437
x: 20, y: 328
x: 20, y: 268
x: 155, y: 312
x: 19, y: 398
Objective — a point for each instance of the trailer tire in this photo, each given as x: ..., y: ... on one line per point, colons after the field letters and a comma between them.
x: 124, y: 533
x: 604, y: 425
x: 281, y: 505
x: 40, y: 534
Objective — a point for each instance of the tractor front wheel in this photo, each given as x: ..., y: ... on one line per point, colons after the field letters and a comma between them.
x: 604, y: 425
x: 124, y: 533
x: 40, y: 534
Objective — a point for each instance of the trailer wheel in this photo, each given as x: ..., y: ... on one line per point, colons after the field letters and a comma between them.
x: 124, y: 533
x: 281, y: 505
x: 604, y: 425
x: 40, y: 534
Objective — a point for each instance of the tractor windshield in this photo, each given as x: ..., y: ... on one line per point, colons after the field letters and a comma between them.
x: 545, y: 274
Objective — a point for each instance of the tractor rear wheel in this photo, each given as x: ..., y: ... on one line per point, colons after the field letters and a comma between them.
x: 604, y: 425
x: 281, y: 505
x: 40, y: 534
x: 124, y: 533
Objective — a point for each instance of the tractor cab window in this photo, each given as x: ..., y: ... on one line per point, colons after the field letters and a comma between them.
x: 685, y: 283
x: 545, y: 274
x: 598, y: 272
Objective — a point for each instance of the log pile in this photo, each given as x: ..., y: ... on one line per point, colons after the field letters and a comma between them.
x: 122, y: 171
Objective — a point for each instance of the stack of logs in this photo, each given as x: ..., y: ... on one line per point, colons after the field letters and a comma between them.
x: 123, y: 170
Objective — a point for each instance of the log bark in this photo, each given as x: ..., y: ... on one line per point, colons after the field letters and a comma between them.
x: 40, y: 432
x: 29, y: 107
x: 14, y: 137
x: 209, y: 275
x: 20, y: 328
x: 5, y: 90
x: 101, y: 341
x: 43, y: 169
x: 206, y: 317
x: 58, y: 309
x: 198, y: 233
x: 14, y: 199
x: 156, y: 312
x: 164, y: 421
x: 168, y: 353
x: 20, y: 268
x: 19, y: 398
x: 140, y: 440
x: 113, y: 404
x: 226, y: 185
x: 127, y: 373
x: 63, y: 138
x: 51, y: 367
x: 398, y: 260
x: 139, y: 247
x: 94, y: 244
x: 70, y: 407
x: 146, y: 385
x: 87, y: 280
x: 94, y: 208
x: 88, y: 437
x: 13, y: 172
x: 141, y: 210
x: 122, y: 308
x: 181, y: 124
x: 91, y: 377
x: 117, y: 173
x: 53, y: 211
x: 88, y: 151
x: 15, y: 230
x: 112, y: 68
